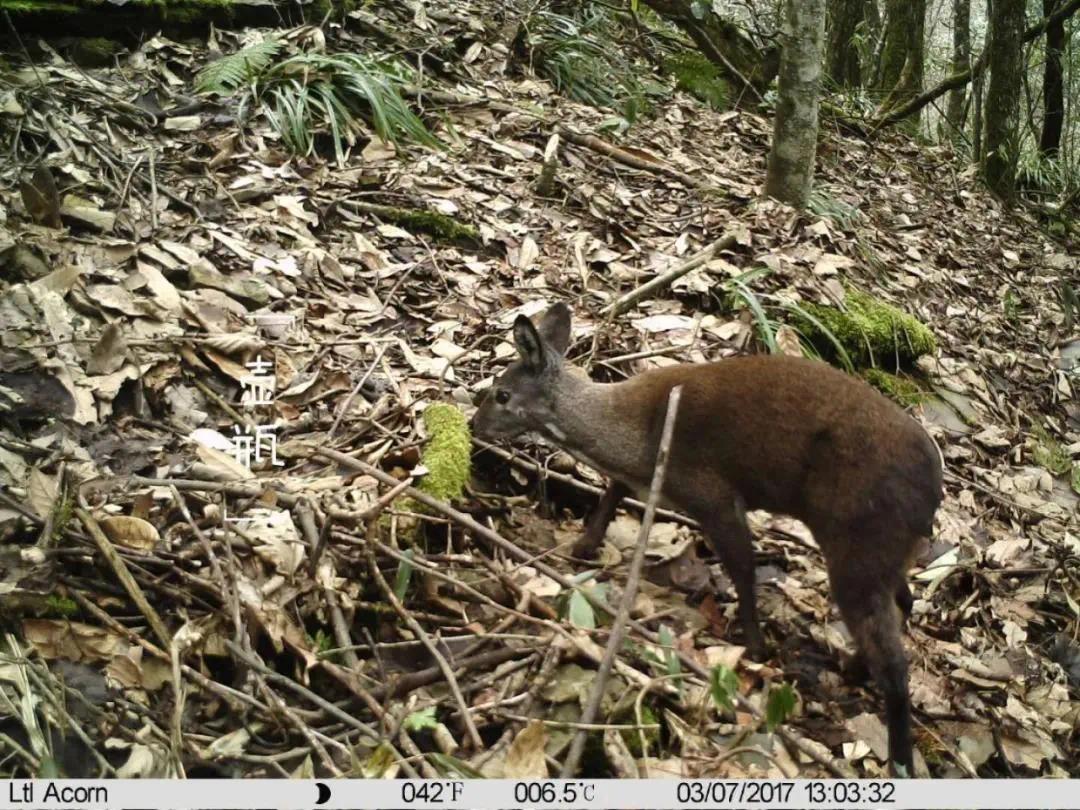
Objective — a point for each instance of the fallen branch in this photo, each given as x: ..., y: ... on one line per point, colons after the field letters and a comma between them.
x: 618, y: 627
x: 119, y: 567
x: 634, y: 161
x: 664, y: 279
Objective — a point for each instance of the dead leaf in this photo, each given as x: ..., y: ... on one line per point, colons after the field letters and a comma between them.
x: 130, y: 532
x: 41, y: 198
x: 526, y: 757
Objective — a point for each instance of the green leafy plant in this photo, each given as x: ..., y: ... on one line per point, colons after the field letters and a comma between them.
x: 575, y: 607
x: 576, y: 55
x: 310, y: 93
x: 235, y: 70
x: 723, y: 686
x: 424, y: 718
x: 671, y: 660
x: 404, y: 575
x: 779, y: 705
x: 699, y: 77
x: 322, y: 641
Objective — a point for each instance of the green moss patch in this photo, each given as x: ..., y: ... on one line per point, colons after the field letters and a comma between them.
x: 438, y: 225
x: 61, y: 606
x: 901, y: 389
x: 447, y: 457
x: 700, y: 78
x: 871, y: 331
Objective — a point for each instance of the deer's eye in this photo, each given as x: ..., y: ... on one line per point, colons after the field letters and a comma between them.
x: 502, y: 397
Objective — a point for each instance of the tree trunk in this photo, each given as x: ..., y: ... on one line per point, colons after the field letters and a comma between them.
x: 1064, y: 12
x: 794, y: 145
x: 1053, y: 84
x: 961, y: 61
x: 845, y: 17
x: 723, y: 43
x: 902, y: 54
x: 1002, y: 106
x: 977, y: 117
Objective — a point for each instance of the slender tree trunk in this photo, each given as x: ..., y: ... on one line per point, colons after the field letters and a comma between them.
x: 1053, y: 85
x: 902, y: 54
x: 845, y: 17
x: 873, y: 19
x: 961, y: 61
x: 794, y: 145
x: 977, y: 118
x: 1002, y: 106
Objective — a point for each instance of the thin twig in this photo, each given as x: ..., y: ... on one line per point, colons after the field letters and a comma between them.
x: 356, y: 390
x: 119, y: 567
x: 618, y: 626
x: 417, y: 628
x: 656, y: 283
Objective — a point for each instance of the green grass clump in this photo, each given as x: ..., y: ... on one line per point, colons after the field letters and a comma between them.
x: 577, y: 56
x: 870, y: 331
x: 312, y: 93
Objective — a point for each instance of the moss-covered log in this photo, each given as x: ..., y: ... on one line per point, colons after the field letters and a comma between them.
x: 433, y: 223
x: 127, y: 22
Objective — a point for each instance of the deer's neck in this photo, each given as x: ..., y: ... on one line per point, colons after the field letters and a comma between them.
x: 590, y: 425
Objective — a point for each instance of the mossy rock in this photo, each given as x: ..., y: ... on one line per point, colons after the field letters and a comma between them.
x: 902, y: 389
x: 700, y: 78
x: 870, y: 331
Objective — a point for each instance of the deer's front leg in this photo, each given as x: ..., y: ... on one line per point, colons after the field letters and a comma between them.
x: 597, y: 522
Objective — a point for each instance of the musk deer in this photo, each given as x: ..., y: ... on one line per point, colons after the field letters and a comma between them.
x: 779, y: 433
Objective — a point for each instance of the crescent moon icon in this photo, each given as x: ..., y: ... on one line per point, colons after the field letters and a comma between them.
x: 324, y: 793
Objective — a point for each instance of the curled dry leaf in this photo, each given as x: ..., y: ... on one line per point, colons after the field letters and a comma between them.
x: 131, y: 532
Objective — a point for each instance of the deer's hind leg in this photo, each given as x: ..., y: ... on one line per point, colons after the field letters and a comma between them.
x: 870, y: 611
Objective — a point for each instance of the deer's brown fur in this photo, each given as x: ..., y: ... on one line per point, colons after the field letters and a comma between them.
x: 778, y: 433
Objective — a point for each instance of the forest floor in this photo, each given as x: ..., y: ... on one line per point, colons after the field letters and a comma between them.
x: 284, y: 639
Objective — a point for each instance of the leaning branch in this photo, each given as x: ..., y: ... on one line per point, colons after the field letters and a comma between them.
x: 958, y: 80
x: 647, y: 289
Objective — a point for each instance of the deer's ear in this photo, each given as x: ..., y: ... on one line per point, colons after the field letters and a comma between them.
x: 554, y: 328
x: 530, y: 344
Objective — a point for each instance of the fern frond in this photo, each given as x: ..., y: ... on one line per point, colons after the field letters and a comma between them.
x: 236, y: 69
